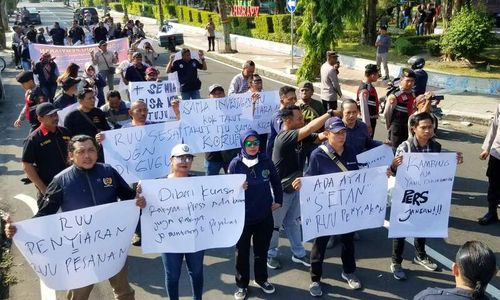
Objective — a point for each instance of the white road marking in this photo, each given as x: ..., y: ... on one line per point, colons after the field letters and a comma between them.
x: 45, y: 292
x: 492, y: 290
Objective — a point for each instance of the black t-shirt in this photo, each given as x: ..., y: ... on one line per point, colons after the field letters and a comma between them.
x: 421, y: 16
x: 429, y: 15
x: 100, y: 34
x: 31, y: 35
x: 288, y: 152
x: 40, y: 39
x: 134, y: 73
x: 58, y: 35
x: 64, y: 100
x: 188, y: 74
x: 76, y: 34
x: 47, y: 151
x: 32, y: 98
x: 76, y: 123
x: 445, y: 294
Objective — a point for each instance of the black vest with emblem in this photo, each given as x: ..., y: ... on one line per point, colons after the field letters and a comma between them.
x: 372, y: 98
x: 404, y: 106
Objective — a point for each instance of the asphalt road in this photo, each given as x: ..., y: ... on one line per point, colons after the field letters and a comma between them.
x: 372, y: 251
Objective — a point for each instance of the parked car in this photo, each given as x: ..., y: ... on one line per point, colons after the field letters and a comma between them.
x: 32, y: 15
x: 79, y: 14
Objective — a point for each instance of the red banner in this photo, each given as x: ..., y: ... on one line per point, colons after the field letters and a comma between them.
x: 244, y: 11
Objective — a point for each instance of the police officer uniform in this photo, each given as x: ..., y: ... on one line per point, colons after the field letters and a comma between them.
x: 47, y: 151
x: 32, y: 98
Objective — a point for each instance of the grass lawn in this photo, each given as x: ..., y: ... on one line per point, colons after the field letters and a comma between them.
x: 492, y: 55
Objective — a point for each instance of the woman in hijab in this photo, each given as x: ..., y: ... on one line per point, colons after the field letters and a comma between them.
x: 90, y: 74
x: 260, y: 201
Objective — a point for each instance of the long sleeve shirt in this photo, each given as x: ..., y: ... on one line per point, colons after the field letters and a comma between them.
x: 238, y: 85
x: 330, y: 87
x: 492, y: 141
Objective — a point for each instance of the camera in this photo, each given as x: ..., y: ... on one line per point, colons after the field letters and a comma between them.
x: 437, y: 97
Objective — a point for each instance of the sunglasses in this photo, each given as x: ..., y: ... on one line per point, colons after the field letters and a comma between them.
x: 183, y: 158
x: 252, y: 143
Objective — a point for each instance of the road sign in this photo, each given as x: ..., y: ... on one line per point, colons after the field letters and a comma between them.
x: 291, y: 5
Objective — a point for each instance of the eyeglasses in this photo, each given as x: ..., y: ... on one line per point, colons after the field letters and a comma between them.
x: 183, y: 159
x: 252, y: 143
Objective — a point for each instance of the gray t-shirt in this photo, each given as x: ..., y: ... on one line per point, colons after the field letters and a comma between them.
x: 385, y: 41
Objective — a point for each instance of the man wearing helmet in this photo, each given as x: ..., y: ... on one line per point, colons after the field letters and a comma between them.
x: 417, y: 64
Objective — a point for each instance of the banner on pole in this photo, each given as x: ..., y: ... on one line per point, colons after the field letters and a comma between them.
x: 190, y: 214
x: 64, y: 55
x: 343, y: 202
x: 78, y: 248
x: 422, y: 195
x: 141, y: 152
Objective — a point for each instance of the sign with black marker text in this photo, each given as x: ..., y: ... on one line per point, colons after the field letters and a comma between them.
x: 376, y: 157
x: 141, y: 152
x: 343, y: 202
x: 190, y: 214
x: 158, y: 96
x: 78, y: 248
x: 422, y: 195
x: 266, y: 105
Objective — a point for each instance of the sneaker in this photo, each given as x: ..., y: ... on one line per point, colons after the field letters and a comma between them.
x: 273, y: 263
x: 315, y: 289
x: 426, y: 262
x: 398, y: 272
x: 136, y: 240
x: 301, y: 260
x: 266, y: 287
x: 489, y: 218
x: 241, y: 294
x: 352, y: 280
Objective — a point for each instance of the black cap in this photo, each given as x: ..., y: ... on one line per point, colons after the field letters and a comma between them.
x: 102, y: 42
x: 24, y: 76
x: 137, y: 55
x: 306, y: 85
x: 69, y: 82
x: 45, y: 109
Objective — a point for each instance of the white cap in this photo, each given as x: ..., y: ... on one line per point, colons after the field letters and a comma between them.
x: 180, y: 149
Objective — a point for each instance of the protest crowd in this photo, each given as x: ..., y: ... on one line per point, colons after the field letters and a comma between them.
x: 80, y: 118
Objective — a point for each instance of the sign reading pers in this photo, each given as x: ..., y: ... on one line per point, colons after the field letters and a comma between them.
x: 343, y: 202
x: 291, y: 6
x: 77, y: 248
x: 422, y: 195
x: 189, y: 214
x: 158, y: 96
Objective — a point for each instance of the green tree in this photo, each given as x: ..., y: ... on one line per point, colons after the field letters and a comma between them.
x: 468, y: 34
x: 322, y: 27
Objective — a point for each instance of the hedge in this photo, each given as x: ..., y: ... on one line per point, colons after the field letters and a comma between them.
x: 140, y: 9
x: 116, y: 6
x: 168, y: 10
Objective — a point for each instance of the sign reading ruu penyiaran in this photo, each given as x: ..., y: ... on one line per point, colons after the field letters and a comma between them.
x: 78, y: 248
x: 64, y: 55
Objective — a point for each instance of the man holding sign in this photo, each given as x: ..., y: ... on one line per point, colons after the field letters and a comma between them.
x: 333, y: 157
x: 84, y: 184
x: 422, y: 126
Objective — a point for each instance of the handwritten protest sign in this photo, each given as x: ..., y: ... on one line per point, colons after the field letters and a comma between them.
x: 343, y: 202
x: 189, y: 214
x: 65, y: 111
x: 64, y: 55
x: 77, y: 248
x: 215, y: 124
x: 158, y: 97
x: 141, y: 152
x: 194, y: 55
x: 267, y: 104
x: 376, y: 157
x: 422, y: 195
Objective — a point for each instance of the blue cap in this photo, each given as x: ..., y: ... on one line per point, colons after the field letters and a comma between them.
x: 334, y: 124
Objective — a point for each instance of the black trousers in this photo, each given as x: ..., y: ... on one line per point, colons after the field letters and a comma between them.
x: 17, y: 55
x: 398, y: 133
x: 211, y: 43
x: 346, y: 254
x: 373, y: 123
x: 260, y: 234
x: 493, y: 174
x: 398, y: 246
x: 329, y: 104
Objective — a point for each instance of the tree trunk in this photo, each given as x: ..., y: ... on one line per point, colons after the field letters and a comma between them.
x: 160, y: 12
x: 370, y: 23
x: 225, y: 25
x: 447, y: 12
x: 458, y: 6
x: 4, y: 24
x: 125, y: 11
x: 105, y: 4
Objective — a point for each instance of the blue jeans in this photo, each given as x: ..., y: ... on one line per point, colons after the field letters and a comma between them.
x: 191, y: 95
x: 288, y: 216
x: 172, y: 263
x: 213, y: 167
x: 49, y: 91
